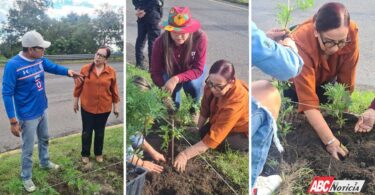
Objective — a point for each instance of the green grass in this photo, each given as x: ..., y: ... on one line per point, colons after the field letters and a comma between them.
x: 66, y: 152
x: 361, y: 100
x: 235, y: 166
x: 232, y: 165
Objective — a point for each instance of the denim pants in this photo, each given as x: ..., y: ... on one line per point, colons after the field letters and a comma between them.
x: 29, y: 128
x: 261, y: 138
x: 194, y: 88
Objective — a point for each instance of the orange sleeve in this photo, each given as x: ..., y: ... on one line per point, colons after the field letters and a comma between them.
x: 347, y: 71
x: 114, y: 88
x: 306, y: 86
x: 78, y: 86
x: 205, y: 103
x: 225, y: 122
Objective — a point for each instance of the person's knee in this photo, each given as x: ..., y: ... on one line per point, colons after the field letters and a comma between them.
x: 268, y: 96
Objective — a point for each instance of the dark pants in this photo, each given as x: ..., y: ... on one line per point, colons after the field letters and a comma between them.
x: 148, y: 26
x: 93, y: 122
x: 292, y: 94
x: 235, y: 141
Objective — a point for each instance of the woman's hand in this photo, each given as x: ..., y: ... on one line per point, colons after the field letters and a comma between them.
x: 171, y: 84
x: 75, y: 105
x: 188, y: 153
x: 116, y: 109
x: 152, y: 167
x: 365, y: 122
x: 276, y: 34
x: 180, y: 162
x: 157, y: 156
x: 336, y: 149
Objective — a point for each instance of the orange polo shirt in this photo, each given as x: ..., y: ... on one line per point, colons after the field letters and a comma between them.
x: 318, y: 69
x: 97, y: 93
x: 227, y: 114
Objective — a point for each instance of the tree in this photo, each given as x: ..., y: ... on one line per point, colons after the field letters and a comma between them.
x: 109, y: 26
x: 25, y: 15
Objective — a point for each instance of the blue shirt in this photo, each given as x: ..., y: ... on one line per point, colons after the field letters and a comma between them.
x: 24, y: 88
x: 272, y: 58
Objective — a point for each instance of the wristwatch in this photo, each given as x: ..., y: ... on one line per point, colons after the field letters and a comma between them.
x: 14, y: 123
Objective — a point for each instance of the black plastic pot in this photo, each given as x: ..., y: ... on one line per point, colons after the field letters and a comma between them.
x: 135, y: 185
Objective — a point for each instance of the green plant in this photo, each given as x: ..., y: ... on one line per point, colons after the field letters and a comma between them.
x: 285, y: 10
x: 338, y: 101
x: 142, y: 109
x: 286, y: 109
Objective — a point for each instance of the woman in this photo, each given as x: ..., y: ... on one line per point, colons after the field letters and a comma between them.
x: 328, y: 44
x: 226, y: 103
x: 179, y: 55
x: 98, y: 92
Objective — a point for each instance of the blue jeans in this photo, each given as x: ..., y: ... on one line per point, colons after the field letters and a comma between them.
x: 29, y: 128
x: 261, y: 137
x: 194, y: 88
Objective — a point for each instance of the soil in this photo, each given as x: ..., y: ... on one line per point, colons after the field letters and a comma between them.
x: 198, y: 178
x: 303, y: 144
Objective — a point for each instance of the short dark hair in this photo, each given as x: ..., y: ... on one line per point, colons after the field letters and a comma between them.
x: 223, y: 68
x: 330, y: 15
x: 25, y: 49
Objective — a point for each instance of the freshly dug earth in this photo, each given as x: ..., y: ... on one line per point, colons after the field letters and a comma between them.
x: 198, y: 178
x: 303, y: 144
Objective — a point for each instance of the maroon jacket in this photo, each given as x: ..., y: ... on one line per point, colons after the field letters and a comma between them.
x: 198, y: 61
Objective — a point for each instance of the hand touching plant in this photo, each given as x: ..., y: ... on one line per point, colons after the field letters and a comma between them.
x: 366, y: 121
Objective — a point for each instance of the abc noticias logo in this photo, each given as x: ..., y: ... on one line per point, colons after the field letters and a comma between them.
x: 325, y: 184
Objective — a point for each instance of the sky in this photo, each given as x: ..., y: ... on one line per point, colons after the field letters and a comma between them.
x: 62, y: 8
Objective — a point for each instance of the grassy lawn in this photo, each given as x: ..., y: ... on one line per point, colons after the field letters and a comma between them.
x: 361, y: 100
x: 74, y: 177
x: 238, y: 177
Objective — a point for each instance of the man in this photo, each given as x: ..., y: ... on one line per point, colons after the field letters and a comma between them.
x: 149, y: 13
x: 24, y: 90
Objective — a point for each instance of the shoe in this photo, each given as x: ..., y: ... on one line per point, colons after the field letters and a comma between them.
x: 99, y: 158
x: 267, y: 185
x: 85, y: 160
x: 52, y: 166
x: 29, y: 185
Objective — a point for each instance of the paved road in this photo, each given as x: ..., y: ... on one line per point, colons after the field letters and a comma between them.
x: 226, y: 26
x: 62, y: 119
x: 264, y: 15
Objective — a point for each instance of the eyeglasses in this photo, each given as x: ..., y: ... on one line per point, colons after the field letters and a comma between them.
x: 332, y: 43
x: 210, y: 84
x: 101, y: 55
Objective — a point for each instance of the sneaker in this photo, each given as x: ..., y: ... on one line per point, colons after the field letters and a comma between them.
x: 99, y: 158
x: 29, y: 185
x: 52, y: 166
x: 85, y: 160
x: 267, y: 185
